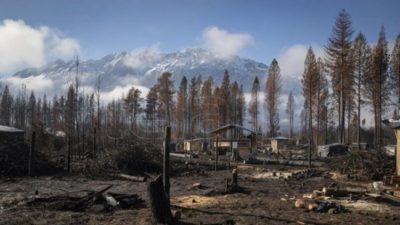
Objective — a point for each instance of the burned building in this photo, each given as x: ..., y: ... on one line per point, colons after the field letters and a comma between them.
x: 233, y: 138
x: 11, y: 134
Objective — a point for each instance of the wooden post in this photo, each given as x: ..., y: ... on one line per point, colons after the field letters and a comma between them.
x: 277, y: 150
x: 69, y: 155
x: 234, y: 178
x: 167, y: 142
x: 216, y: 155
x: 31, y: 153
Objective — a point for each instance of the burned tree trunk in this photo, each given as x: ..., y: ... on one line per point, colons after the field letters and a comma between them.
x: 159, y: 203
x: 232, y: 185
x: 31, y: 153
x: 69, y: 155
x: 166, y: 161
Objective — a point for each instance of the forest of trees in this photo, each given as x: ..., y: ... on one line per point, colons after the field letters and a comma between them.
x: 352, y: 75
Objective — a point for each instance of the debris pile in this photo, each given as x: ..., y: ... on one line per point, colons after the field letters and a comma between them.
x: 139, y: 157
x: 362, y: 165
x: 100, y: 201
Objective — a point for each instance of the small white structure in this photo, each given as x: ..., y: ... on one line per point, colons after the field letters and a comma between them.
x: 279, y: 143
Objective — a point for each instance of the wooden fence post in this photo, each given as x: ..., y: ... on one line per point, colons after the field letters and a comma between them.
x: 31, y: 153
x: 167, y: 143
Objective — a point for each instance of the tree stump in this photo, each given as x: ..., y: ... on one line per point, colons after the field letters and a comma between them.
x: 159, y: 203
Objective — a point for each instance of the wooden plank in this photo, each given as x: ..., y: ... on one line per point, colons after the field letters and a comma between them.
x: 132, y: 178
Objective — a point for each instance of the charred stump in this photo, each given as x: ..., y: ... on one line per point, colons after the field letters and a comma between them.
x: 159, y: 203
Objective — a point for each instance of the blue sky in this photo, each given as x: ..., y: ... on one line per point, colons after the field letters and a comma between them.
x: 101, y: 27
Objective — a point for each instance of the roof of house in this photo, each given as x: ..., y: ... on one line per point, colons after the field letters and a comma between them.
x: 231, y: 126
x: 6, y: 129
x: 196, y: 139
x: 279, y: 138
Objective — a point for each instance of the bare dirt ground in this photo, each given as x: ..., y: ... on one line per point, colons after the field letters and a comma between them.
x: 267, y: 198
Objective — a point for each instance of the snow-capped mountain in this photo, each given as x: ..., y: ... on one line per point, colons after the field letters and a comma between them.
x: 144, y: 67
x: 120, y: 71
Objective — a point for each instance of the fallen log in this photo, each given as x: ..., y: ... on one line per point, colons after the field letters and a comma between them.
x: 264, y: 216
x: 132, y: 178
x: 90, y: 198
x: 337, y: 192
x: 386, y: 198
x: 288, y: 162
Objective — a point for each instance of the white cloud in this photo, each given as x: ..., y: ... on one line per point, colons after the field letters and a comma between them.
x: 33, y: 83
x: 24, y: 46
x: 291, y: 60
x: 120, y: 91
x: 143, y: 57
x: 223, y: 43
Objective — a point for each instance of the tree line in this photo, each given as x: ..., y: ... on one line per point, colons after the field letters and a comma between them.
x: 352, y: 75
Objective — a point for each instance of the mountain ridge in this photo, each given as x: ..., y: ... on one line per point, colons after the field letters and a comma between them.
x: 144, y: 67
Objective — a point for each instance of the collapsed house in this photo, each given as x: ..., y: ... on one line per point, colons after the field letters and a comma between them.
x: 234, y: 139
x: 11, y: 134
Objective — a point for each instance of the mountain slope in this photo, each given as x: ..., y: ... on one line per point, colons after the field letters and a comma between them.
x: 144, y: 67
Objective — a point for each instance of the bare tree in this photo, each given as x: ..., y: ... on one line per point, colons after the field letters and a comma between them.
x: 377, y: 85
x: 339, y: 62
x: 253, y: 105
x: 362, y: 55
x: 395, y: 69
x: 310, y: 86
x: 272, y: 93
x: 290, y: 112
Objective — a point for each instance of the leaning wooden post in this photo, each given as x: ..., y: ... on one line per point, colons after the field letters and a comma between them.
x: 216, y: 155
x: 31, y: 153
x: 167, y: 142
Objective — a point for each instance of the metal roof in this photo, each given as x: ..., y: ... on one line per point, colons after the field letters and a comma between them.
x: 6, y: 129
x: 196, y: 139
x: 279, y: 138
x: 231, y: 126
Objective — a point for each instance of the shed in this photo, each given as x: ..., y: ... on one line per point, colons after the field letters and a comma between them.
x: 198, y: 144
x: 11, y: 134
x: 233, y: 138
x: 279, y: 142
